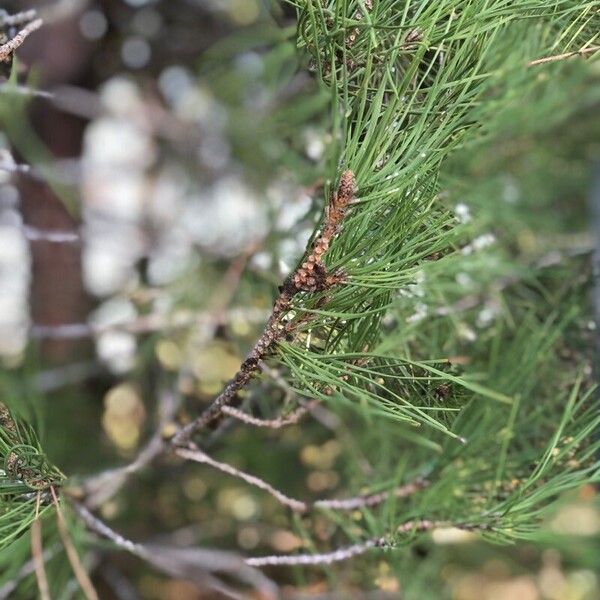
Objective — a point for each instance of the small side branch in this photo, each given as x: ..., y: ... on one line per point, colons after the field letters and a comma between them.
x: 277, y: 423
x: 197, y: 455
x: 341, y: 554
x: 564, y: 56
x: 194, y: 564
x: 19, y: 19
x: 370, y: 500
x: 299, y: 506
x: 9, y: 47
x: 327, y: 558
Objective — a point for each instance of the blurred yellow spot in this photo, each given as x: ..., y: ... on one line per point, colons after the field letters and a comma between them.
x: 285, y: 541
x: 451, y: 535
x: 244, y: 508
x: 169, y: 354
x: 318, y: 481
x: 109, y: 510
x: 237, y: 503
x: 320, y: 457
x: 240, y: 328
x: 124, y: 415
x: 195, y: 488
x: 248, y: 538
x: 243, y: 12
x: 577, y: 520
x: 214, y: 365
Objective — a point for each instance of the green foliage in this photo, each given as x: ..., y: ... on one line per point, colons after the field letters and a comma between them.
x: 457, y: 349
x: 24, y: 474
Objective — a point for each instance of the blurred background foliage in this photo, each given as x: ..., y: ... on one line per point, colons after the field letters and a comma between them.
x: 183, y: 154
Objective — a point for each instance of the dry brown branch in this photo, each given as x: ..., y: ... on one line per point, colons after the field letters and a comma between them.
x: 310, y: 277
x: 9, y: 47
x: 37, y: 553
x: 78, y: 569
x: 564, y: 56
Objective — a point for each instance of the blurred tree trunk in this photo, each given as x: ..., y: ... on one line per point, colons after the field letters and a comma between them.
x: 57, y: 294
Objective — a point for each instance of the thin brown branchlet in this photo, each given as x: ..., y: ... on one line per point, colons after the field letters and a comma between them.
x: 347, y: 552
x: 10, y: 45
x: 310, y: 277
x: 195, y: 454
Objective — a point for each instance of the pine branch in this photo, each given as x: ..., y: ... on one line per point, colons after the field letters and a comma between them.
x: 310, y: 277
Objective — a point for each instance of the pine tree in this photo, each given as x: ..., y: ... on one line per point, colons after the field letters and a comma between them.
x: 437, y: 334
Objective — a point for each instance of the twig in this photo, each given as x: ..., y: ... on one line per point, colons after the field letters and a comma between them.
x: 318, y: 559
x: 78, y: 569
x: 310, y: 277
x: 17, y: 19
x: 277, y: 423
x: 299, y: 506
x: 22, y: 90
x: 565, y: 55
x: 369, y: 500
x: 37, y: 553
x: 341, y: 554
x: 193, y: 564
x: 197, y: 455
x: 7, y: 49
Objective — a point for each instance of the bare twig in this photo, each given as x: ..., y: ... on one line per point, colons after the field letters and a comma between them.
x: 197, y: 455
x: 310, y: 277
x: 277, y: 423
x: 193, y: 564
x: 18, y: 19
x: 369, y: 500
x: 565, y: 55
x: 78, y: 569
x: 299, y: 506
x: 23, y: 90
x: 37, y: 553
x: 9, y: 47
x: 318, y: 559
x: 342, y: 554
